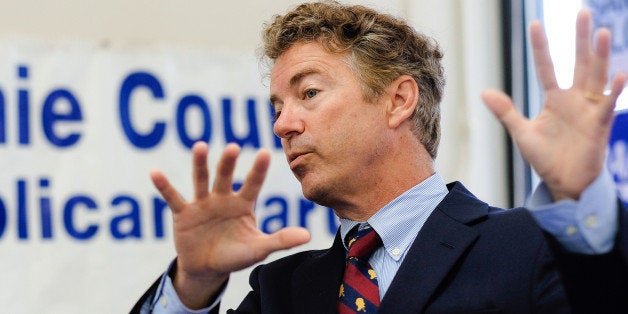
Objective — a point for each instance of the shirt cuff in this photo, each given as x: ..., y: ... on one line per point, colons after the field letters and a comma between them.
x: 167, y: 301
x: 586, y: 226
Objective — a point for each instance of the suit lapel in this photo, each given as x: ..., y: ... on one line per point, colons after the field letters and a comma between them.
x: 438, y: 246
x: 316, y: 282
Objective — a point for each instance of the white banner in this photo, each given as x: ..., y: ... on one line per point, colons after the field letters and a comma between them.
x: 82, y: 230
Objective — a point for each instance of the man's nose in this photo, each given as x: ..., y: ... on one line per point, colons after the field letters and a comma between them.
x: 289, y: 122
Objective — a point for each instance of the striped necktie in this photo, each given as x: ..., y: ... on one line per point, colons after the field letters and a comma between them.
x: 359, y: 292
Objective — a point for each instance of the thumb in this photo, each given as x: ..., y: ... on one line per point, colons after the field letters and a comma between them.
x: 503, y: 109
x: 287, y: 238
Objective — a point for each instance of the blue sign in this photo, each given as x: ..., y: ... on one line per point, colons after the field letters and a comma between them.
x: 618, y: 154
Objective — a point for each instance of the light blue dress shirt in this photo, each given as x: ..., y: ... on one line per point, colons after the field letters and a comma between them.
x: 584, y: 226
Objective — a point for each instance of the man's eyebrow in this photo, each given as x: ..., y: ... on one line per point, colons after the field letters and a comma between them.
x: 294, y: 80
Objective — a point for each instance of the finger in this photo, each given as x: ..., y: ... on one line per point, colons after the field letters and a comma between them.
x: 225, y: 168
x: 255, y: 178
x: 200, y: 171
x: 167, y: 191
x: 583, y: 49
x: 504, y: 110
x: 599, y: 68
x: 542, y: 58
x: 619, y: 81
x: 285, y: 238
x: 617, y: 86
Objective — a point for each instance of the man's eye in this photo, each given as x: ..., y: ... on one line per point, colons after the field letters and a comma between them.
x: 276, y: 116
x: 310, y: 93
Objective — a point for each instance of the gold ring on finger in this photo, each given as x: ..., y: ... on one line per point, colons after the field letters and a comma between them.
x: 593, y: 97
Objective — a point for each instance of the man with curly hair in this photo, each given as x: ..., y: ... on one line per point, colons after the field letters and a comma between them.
x: 356, y: 97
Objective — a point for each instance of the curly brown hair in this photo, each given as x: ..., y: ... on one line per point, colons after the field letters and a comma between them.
x: 380, y: 48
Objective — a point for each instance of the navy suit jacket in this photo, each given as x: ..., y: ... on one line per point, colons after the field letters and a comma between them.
x: 468, y: 257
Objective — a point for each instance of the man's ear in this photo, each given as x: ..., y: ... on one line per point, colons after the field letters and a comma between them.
x: 403, y: 94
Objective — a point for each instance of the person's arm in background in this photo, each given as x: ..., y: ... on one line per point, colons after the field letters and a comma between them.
x: 566, y: 143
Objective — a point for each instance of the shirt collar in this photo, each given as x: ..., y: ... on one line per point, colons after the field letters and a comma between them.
x: 399, y: 222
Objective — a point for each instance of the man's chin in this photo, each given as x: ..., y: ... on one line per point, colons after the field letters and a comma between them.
x: 299, y: 173
x: 316, y: 194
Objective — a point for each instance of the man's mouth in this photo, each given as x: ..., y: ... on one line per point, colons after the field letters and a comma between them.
x: 293, y: 156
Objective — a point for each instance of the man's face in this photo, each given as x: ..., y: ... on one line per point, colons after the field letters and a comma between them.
x: 332, y: 138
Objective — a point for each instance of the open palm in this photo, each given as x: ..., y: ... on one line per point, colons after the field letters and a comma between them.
x: 566, y: 142
x: 216, y: 232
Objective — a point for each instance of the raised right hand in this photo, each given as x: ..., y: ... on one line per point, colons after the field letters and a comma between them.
x: 566, y: 142
x: 216, y: 232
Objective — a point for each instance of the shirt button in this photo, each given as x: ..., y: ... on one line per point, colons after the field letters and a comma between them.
x: 396, y: 251
x: 591, y: 221
x: 571, y: 230
x: 164, y: 302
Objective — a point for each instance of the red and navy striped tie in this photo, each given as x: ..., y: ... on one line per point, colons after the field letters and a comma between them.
x: 359, y: 292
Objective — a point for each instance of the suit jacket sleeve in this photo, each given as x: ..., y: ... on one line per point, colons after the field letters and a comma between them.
x: 597, y: 283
